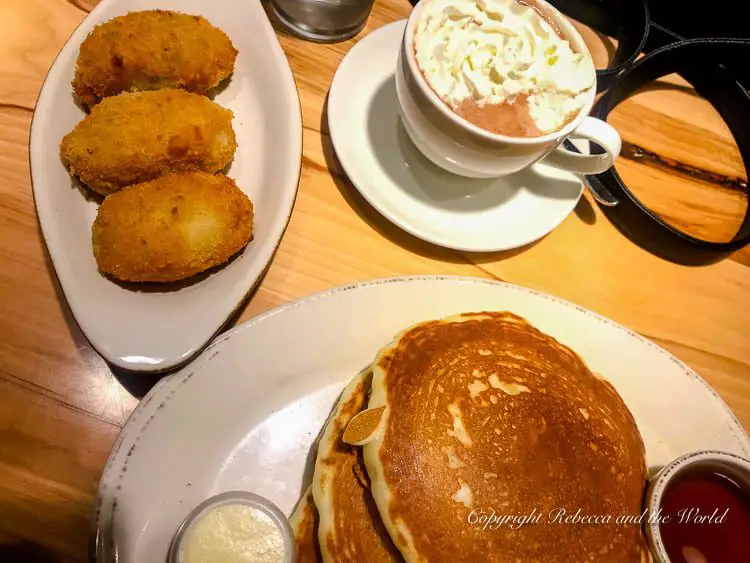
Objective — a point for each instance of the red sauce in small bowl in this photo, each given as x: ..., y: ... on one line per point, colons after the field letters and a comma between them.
x: 705, y: 517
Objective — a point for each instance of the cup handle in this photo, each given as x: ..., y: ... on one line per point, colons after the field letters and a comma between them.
x: 596, y: 131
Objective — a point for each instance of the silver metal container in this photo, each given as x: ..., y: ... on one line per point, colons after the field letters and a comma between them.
x: 323, y: 21
x: 736, y: 467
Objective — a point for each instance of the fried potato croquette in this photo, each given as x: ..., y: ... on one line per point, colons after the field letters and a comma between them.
x: 171, y: 228
x: 134, y: 138
x: 152, y: 50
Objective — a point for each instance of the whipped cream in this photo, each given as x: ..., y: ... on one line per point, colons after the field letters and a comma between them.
x: 492, y: 51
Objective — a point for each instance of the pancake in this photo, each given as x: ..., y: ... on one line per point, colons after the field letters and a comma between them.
x: 304, y: 522
x: 349, y: 528
x: 486, y: 415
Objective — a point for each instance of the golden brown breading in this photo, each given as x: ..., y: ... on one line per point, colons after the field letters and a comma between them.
x: 171, y: 228
x: 151, y: 50
x: 133, y: 138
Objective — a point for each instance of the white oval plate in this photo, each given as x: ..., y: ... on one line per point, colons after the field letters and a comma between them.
x: 244, y: 414
x: 157, y: 330
x: 466, y: 214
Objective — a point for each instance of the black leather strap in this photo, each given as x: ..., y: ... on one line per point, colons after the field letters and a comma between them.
x: 720, y: 87
x: 714, y: 67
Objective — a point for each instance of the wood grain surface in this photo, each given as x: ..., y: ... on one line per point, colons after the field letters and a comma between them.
x: 61, y: 405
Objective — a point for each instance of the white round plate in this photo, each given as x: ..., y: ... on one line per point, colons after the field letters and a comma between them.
x: 161, y: 328
x: 244, y: 414
x: 396, y: 179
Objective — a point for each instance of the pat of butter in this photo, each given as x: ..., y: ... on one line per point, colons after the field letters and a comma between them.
x: 234, y: 533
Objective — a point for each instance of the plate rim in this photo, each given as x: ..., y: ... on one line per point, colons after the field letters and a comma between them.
x: 296, y: 147
x: 176, y: 380
x: 407, y: 226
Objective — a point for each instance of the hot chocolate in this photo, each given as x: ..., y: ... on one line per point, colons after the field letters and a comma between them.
x: 502, y: 65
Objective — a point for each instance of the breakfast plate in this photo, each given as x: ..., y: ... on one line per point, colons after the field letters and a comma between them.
x: 156, y: 328
x: 244, y: 414
x: 473, y: 215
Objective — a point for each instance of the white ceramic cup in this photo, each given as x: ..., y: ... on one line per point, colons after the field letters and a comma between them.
x: 459, y: 146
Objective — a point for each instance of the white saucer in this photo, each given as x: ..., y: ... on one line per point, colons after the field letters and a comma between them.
x: 428, y: 202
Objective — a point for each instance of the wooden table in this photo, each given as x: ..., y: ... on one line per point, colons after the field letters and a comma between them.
x: 61, y: 406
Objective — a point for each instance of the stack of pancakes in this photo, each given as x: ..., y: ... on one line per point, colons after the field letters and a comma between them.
x: 468, y: 418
